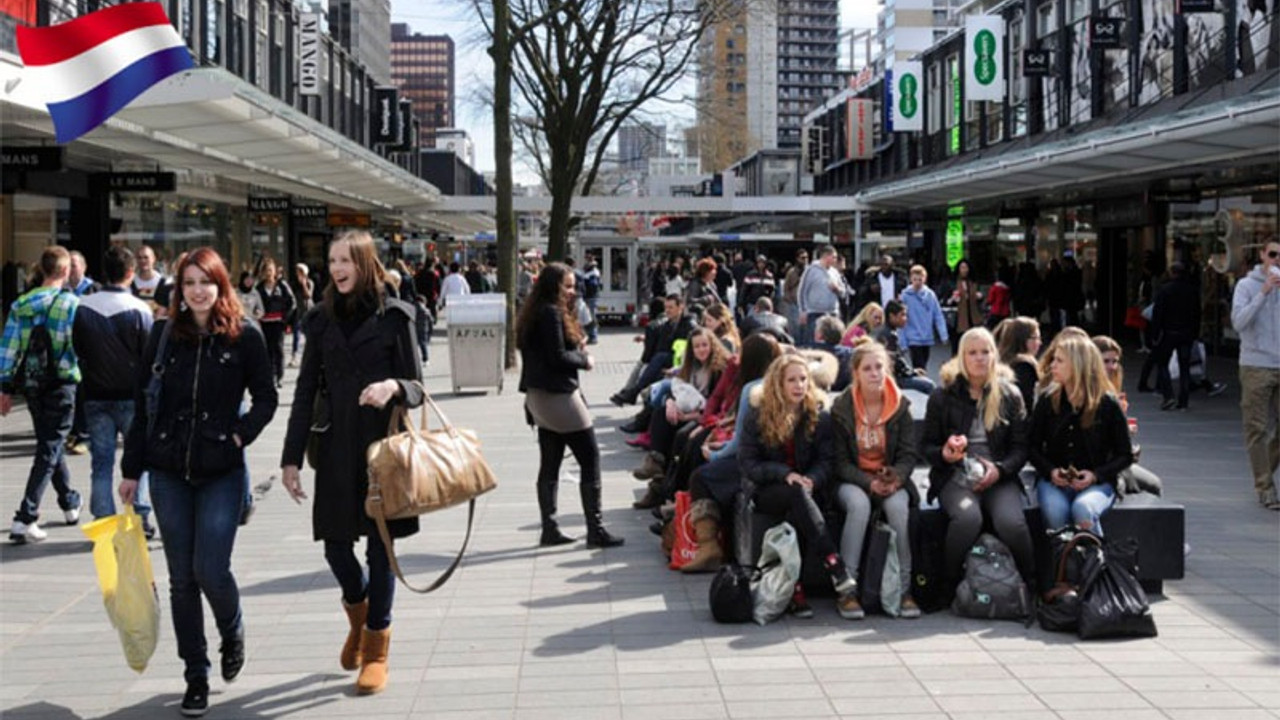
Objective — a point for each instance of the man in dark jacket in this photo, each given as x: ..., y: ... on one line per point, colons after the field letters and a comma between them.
x: 757, y: 283
x: 906, y: 375
x: 764, y: 320
x: 1175, y: 321
x: 677, y: 327
x: 110, y: 335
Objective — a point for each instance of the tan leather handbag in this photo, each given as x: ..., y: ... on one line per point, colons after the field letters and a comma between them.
x: 415, y: 471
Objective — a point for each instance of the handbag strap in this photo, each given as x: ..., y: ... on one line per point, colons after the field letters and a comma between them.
x: 1069, y: 548
x: 381, y: 521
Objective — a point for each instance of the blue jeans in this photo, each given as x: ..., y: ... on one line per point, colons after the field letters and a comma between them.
x: 106, y: 419
x: 51, y: 411
x: 593, y: 330
x: 1062, y: 505
x: 380, y: 588
x: 199, y: 524
x: 919, y: 383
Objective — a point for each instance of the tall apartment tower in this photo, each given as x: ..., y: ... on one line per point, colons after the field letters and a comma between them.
x: 760, y: 71
x: 637, y: 143
x: 808, y: 60
x: 363, y: 27
x: 909, y: 27
x: 422, y: 66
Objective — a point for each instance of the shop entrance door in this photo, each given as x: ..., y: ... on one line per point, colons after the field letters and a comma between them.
x: 1114, y: 282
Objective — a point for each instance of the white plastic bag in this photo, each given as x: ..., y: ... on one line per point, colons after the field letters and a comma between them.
x: 687, y: 397
x: 891, y: 578
x: 779, y: 571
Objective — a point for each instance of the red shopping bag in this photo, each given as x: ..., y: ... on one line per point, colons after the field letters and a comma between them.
x: 686, y: 545
x: 1133, y: 318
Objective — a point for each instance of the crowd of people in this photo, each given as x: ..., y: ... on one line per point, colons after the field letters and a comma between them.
x: 792, y: 409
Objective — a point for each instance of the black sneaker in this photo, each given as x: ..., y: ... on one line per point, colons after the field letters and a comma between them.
x: 232, y: 655
x: 799, y: 606
x: 195, y: 703
x: 839, y: 574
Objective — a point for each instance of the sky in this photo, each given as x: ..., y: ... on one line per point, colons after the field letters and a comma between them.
x: 474, y: 70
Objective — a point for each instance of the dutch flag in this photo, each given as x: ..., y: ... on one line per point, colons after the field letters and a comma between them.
x: 89, y: 68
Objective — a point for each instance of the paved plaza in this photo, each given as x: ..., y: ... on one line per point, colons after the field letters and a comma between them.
x: 563, y: 633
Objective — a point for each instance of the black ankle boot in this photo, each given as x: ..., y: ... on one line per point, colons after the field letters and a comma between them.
x: 598, y: 537
x: 232, y: 651
x: 551, y: 537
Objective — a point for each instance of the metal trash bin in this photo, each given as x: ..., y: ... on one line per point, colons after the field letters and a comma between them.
x: 477, y: 339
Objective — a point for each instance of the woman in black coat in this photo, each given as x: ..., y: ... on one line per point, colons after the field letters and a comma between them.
x: 191, y: 439
x: 786, y: 455
x: 277, y: 306
x: 977, y: 414
x: 552, y: 351
x: 361, y: 357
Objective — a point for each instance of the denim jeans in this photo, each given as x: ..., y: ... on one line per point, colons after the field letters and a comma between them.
x: 106, y: 420
x: 51, y: 417
x: 380, y: 587
x: 919, y: 383
x: 199, y: 525
x: 1062, y: 505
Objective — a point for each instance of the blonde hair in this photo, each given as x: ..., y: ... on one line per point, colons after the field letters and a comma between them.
x: 1106, y: 344
x: 919, y: 270
x: 727, y: 329
x: 994, y: 391
x: 864, y: 316
x: 1088, y: 381
x: 862, y: 352
x: 776, y: 418
x: 1046, y: 356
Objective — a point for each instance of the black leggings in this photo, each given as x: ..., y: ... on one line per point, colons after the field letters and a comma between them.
x: 587, y: 452
x: 273, y: 332
x: 797, y: 506
x: 1001, y: 502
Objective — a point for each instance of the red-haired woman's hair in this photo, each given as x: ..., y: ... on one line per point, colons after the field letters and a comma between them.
x: 227, y: 314
x: 705, y: 267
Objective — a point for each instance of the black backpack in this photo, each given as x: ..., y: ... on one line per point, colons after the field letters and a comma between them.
x: 37, y: 369
x: 992, y: 588
x: 730, y: 594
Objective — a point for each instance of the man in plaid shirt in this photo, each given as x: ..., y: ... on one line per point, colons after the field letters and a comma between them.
x: 51, y: 400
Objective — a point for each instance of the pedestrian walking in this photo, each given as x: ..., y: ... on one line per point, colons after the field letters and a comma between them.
x: 1255, y: 314
x: 1175, y: 319
x: 553, y: 350
x: 303, y: 290
x: 924, y: 318
x: 361, y: 358
x: 191, y: 440
x: 277, y: 305
x: 110, y: 334
x: 149, y: 284
x: 821, y: 289
x: 38, y: 359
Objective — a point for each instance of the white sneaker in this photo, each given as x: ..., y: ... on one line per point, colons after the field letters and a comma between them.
x: 72, y: 516
x: 26, y: 532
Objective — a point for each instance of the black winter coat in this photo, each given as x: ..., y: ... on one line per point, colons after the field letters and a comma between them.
x: 382, y: 347
x: 1104, y: 448
x: 277, y: 304
x: 765, y: 465
x: 199, y: 411
x: 951, y: 411
x: 548, y: 361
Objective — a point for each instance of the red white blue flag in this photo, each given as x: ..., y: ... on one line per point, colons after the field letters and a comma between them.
x: 89, y: 68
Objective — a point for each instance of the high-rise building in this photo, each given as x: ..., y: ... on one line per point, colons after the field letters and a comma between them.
x: 422, y: 66
x: 909, y: 27
x: 637, y: 142
x: 760, y: 71
x: 363, y: 27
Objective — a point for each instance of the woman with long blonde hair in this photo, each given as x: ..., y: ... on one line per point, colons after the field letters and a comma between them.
x: 866, y: 322
x: 1079, y: 438
x: 786, y: 455
x: 975, y: 441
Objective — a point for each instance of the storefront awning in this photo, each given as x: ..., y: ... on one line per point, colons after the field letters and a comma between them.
x: 209, y: 120
x: 1221, y: 134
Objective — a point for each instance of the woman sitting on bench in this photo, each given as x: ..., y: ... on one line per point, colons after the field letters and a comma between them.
x: 975, y: 441
x: 1134, y: 478
x: 786, y: 454
x: 875, y: 454
x: 1079, y: 439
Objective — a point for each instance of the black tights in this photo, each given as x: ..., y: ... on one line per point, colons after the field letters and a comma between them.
x: 585, y: 450
x: 796, y: 505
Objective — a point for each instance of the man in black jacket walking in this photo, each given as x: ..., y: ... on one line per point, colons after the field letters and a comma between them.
x: 1175, y: 320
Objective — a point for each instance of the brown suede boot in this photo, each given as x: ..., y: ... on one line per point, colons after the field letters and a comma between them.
x: 356, y: 615
x: 705, y: 515
x: 373, y: 665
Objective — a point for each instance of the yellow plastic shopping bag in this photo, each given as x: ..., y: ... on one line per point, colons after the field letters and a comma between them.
x: 128, y: 587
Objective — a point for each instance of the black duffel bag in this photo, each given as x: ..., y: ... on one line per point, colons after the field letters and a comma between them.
x: 730, y: 595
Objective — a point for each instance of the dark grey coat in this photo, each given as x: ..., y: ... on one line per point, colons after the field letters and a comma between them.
x: 382, y: 347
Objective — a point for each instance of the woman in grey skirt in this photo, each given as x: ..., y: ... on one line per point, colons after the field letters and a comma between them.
x: 552, y: 351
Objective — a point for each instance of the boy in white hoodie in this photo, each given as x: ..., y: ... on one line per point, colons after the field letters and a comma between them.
x: 1255, y: 314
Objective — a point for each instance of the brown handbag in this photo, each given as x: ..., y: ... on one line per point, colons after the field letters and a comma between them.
x: 415, y: 471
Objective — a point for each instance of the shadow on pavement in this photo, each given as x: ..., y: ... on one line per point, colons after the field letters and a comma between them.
x: 11, y: 553
x: 635, y: 632
x: 294, y: 697
x: 25, y: 448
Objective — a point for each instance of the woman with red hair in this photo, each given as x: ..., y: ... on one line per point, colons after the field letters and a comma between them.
x: 190, y: 437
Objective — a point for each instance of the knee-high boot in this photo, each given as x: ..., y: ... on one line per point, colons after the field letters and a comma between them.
x: 597, y: 536
x: 548, y: 489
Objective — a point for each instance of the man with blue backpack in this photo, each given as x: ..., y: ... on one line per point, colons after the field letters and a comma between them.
x: 38, y: 359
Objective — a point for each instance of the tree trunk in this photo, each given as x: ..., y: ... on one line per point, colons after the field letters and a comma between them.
x: 508, y: 240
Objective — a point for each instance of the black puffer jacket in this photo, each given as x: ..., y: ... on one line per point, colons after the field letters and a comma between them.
x: 548, y: 361
x: 951, y: 411
x: 203, y: 385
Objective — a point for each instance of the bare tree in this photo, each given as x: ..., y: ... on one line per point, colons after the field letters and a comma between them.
x: 582, y: 69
